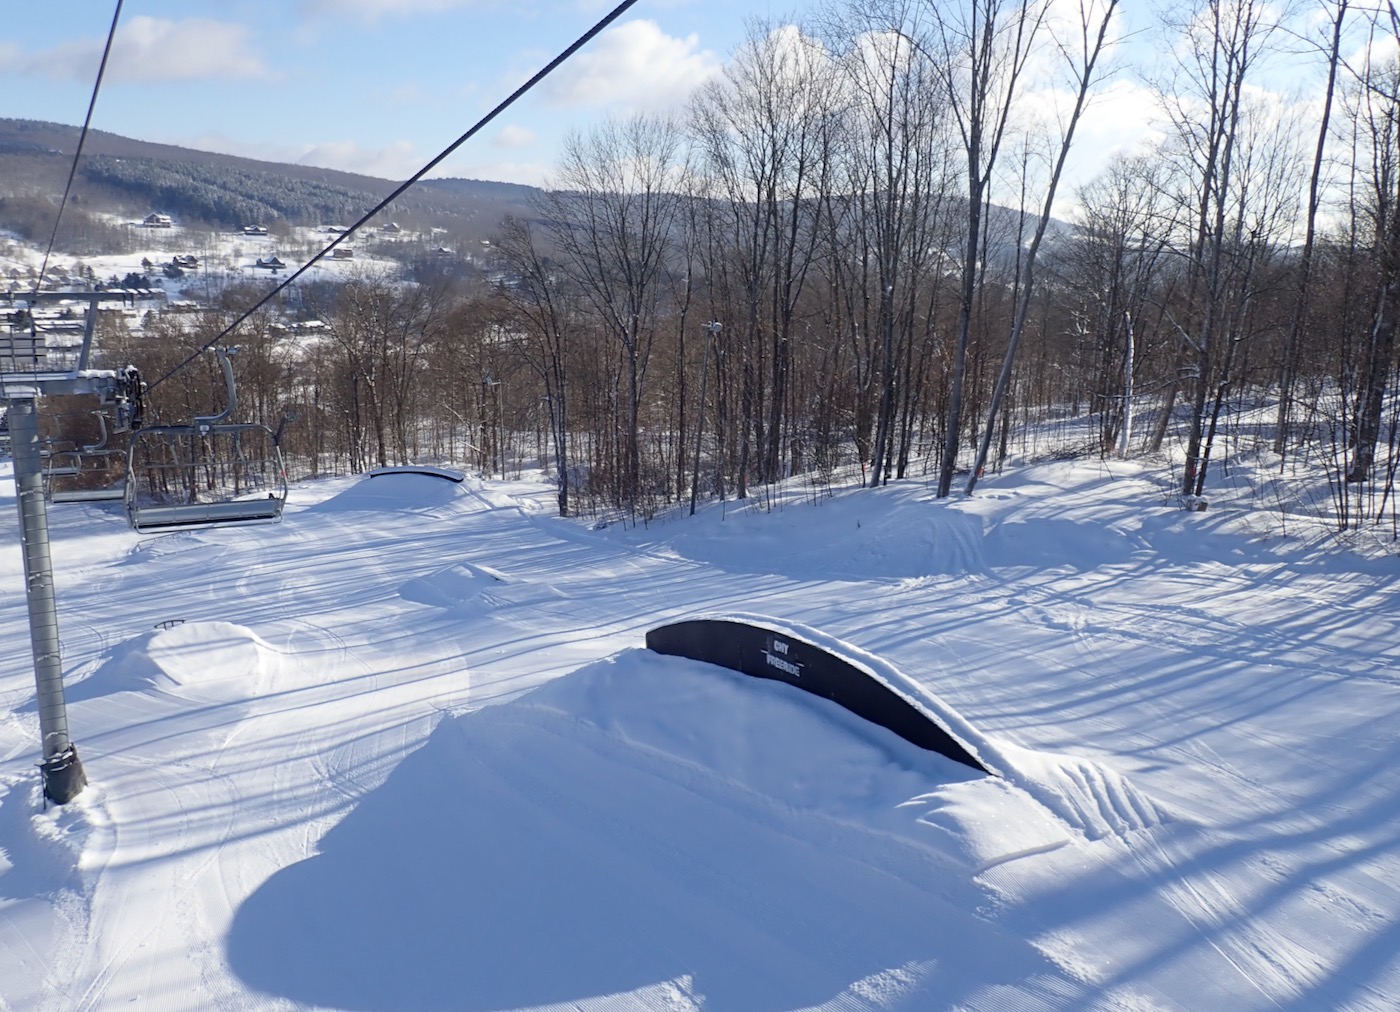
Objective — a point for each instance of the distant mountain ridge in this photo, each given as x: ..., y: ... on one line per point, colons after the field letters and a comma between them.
x: 131, y: 177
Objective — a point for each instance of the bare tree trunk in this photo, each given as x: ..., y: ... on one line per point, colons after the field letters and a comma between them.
x: 1289, y: 366
x: 994, y: 50
x: 1085, y: 73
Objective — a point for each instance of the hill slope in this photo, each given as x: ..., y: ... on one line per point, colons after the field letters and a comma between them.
x: 120, y: 175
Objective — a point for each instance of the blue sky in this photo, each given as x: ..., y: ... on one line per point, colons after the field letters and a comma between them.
x: 375, y: 86
x: 381, y: 86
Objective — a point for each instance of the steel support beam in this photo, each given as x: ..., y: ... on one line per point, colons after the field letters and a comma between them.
x: 62, y: 771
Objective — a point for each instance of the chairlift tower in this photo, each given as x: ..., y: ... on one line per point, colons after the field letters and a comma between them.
x: 34, y: 364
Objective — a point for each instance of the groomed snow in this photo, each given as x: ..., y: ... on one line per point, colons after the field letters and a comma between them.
x: 406, y: 750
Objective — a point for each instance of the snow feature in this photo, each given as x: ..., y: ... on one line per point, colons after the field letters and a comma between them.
x: 396, y: 491
x: 198, y: 661
x: 453, y: 586
x: 651, y: 827
x: 1091, y: 798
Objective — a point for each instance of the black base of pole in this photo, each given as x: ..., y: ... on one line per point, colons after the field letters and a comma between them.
x: 64, y: 778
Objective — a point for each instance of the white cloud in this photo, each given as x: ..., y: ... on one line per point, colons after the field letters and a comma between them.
x: 373, y: 10
x: 514, y: 136
x: 396, y: 161
x: 153, y: 49
x: 528, y: 173
x: 635, y: 66
x: 408, y: 95
x: 1122, y: 118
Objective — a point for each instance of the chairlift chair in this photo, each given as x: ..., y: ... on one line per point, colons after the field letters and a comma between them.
x: 210, y: 473
x: 96, y: 472
x: 92, y: 473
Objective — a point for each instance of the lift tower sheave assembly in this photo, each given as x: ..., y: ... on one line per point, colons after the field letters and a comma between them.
x: 34, y: 363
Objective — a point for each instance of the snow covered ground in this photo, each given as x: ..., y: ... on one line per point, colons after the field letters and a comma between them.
x: 225, y: 258
x: 407, y: 750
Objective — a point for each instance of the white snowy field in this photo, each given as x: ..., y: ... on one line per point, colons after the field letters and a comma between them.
x: 224, y: 258
x: 407, y: 751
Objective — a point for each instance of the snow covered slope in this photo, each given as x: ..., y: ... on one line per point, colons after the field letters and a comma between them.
x: 405, y: 750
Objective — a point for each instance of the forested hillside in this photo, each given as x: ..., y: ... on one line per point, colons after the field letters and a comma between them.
x: 119, y: 175
x: 225, y: 194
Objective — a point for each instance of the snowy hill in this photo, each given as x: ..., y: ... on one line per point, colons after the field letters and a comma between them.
x: 407, y: 750
x: 124, y: 176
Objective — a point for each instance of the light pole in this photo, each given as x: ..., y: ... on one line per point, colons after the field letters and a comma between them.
x: 711, y: 329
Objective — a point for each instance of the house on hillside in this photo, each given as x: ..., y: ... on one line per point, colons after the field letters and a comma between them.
x: 342, y: 253
x: 391, y: 228
x: 255, y: 230
x: 157, y: 221
x: 185, y: 261
x: 268, y: 263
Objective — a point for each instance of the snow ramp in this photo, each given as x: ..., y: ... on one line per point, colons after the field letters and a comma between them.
x: 209, y: 662
x: 406, y: 490
x: 1090, y: 798
x: 650, y: 832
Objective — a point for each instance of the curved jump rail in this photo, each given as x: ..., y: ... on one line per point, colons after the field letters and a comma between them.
x: 770, y: 653
x: 446, y: 473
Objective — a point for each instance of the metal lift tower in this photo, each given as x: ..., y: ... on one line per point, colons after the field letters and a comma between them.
x: 35, y: 362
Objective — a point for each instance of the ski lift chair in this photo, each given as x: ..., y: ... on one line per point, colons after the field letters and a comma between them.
x: 93, y: 473
x: 210, y: 473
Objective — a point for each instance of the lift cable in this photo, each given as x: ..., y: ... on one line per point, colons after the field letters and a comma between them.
x: 544, y: 72
x: 82, y: 137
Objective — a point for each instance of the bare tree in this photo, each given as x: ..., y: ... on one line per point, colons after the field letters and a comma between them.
x: 765, y: 133
x: 887, y: 222
x: 1380, y: 117
x: 1288, y: 366
x: 540, y: 295
x: 1218, y: 47
x: 1082, y: 56
x: 980, y: 51
x: 1120, y: 279
x: 612, y: 212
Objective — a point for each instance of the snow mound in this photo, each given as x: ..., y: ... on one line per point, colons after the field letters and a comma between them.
x: 452, y: 586
x: 406, y: 491
x: 165, y: 546
x: 1088, y: 797
x: 206, y: 661
x: 1046, y: 542
x: 651, y: 826
x: 1091, y: 798
x: 851, y: 537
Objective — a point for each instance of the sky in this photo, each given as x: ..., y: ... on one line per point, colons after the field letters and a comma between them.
x: 373, y: 86
x: 407, y: 750
x: 382, y: 86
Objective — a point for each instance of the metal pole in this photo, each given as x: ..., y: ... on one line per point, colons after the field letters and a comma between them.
x: 711, y: 330
x: 62, y: 771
